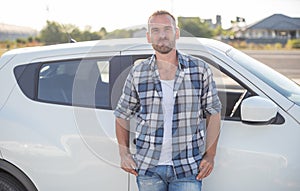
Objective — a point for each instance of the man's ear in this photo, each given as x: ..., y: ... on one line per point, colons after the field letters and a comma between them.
x: 177, y: 33
x: 148, y: 37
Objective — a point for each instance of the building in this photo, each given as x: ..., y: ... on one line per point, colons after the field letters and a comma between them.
x: 214, y: 25
x: 277, y: 28
x: 209, y: 22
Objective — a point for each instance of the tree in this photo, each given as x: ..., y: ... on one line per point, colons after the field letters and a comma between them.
x: 119, y: 33
x: 53, y: 34
x: 192, y: 26
x: 102, y: 32
x: 219, y: 32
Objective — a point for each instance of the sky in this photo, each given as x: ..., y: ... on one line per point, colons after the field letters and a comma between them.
x: 118, y: 14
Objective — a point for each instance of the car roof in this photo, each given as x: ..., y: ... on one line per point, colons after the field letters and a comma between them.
x: 30, y: 54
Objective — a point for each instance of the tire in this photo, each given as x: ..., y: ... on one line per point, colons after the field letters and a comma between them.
x: 10, y: 183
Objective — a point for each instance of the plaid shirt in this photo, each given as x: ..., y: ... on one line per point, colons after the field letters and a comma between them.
x: 194, y: 93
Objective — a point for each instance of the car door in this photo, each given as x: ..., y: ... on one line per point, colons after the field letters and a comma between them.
x: 59, y: 126
x: 119, y: 74
x: 252, y: 155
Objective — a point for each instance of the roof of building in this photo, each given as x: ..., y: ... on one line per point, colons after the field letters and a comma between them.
x: 277, y: 22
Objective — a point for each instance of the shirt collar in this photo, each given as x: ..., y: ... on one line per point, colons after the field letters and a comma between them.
x: 183, y: 60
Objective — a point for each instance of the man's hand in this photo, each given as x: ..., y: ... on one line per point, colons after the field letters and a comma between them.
x: 128, y: 164
x: 122, y: 133
x: 206, y: 166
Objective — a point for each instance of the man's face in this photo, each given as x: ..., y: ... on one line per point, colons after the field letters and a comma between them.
x: 162, y: 33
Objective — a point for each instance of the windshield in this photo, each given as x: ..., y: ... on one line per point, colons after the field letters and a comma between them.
x: 277, y: 81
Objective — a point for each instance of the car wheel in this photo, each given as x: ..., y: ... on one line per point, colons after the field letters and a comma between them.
x: 10, y: 183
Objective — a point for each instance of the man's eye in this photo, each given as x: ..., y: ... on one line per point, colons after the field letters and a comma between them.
x: 168, y: 29
x: 155, y: 30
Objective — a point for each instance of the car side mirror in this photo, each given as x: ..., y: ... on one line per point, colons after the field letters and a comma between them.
x: 258, y: 110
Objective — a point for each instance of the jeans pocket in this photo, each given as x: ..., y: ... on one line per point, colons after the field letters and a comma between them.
x: 150, y: 183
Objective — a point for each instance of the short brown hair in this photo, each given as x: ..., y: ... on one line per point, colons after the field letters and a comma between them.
x: 162, y: 12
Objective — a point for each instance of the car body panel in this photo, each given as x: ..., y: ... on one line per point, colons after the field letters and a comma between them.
x: 295, y: 112
x: 252, y: 157
x: 68, y: 147
x: 7, y: 82
x: 54, y: 146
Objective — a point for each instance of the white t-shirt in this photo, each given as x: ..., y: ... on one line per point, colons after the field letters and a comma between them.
x: 168, y: 105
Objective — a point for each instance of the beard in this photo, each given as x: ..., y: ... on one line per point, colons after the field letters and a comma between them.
x: 164, y: 46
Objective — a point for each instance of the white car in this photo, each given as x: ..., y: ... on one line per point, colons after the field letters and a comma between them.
x: 57, y: 128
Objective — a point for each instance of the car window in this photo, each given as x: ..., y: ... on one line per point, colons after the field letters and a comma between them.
x: 277, y: 81
x: 230, y: 92
x: 75, y: 82
x: 98, y: 83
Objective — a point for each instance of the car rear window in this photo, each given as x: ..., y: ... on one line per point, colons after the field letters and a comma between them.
x: 82, y: 82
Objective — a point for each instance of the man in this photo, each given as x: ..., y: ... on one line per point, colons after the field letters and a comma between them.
x: 168, y: 94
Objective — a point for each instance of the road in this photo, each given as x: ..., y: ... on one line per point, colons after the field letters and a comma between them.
x: 283, y: 61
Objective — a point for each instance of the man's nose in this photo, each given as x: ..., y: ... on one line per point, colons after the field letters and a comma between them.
x: 162, y: 33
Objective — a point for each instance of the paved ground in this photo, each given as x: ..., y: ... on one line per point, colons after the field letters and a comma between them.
x: 285, y: 62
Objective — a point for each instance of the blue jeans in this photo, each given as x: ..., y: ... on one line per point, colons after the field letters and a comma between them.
x: 164, y: 179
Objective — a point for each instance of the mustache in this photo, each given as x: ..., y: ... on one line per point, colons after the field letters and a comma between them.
x: 162, y: 39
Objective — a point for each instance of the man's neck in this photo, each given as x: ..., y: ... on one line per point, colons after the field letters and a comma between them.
x: 167, y: 65
x: 170, y: 58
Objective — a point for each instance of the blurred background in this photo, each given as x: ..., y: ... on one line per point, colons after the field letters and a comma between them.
x: 268, y: 30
